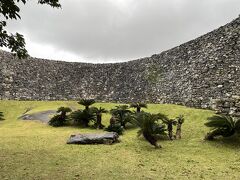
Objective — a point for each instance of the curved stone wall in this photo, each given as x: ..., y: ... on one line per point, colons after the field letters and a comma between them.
x: 191, y: 74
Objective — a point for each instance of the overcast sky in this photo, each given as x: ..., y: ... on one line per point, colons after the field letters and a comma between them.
x: 101, y: 31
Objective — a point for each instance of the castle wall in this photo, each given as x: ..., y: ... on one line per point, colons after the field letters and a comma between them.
x: 191, y: 74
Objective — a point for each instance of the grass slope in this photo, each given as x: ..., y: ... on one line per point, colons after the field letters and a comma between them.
x: 32, y: 150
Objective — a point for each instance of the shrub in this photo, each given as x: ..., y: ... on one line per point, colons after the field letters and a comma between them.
x: 83, y: 117
x: 122, y: 114
x: 150, y: 127
x: 115, y: 128
x: 222, y: 125
x: 86, y: 102
x: 60, y: 119
x: 138, y: 106
x: 180, y: 121
x: 98, y: 112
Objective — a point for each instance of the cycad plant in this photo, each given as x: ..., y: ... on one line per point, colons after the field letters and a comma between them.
x: 222, y: 125
x: 1, y: 116
x: 138, y: 106
x: 170, y: 123
x: 150, y: 127
x: 122, y: 114
x: 83, y: 117
x: 86, y: 102
x: 98, y: 112
x: 180, y: 121
x: 60, y: 119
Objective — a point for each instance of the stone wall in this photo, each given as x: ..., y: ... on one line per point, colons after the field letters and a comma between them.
x: 191, y: 74
x: 227, y: 106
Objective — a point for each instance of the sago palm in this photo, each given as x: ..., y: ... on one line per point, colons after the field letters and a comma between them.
x: 222, y: 125
x: 138, y: 106
x: 180, y: 121
x: 83, y: 117
x: 86, y: 103
x: 60, y: 119
x: 99, y: 112
x: 170, y: 123
x: 150, y: 127
x: 122, y: 114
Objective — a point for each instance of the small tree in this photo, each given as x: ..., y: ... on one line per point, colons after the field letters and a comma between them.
x: 150, y: 127
x: 222, y: 125
x: 86, y: 102
x: 60, y: 119
x: 1, y: 116
x: 138, y: 106
x: 180, y: 121
x: 122, y: 114
x: 98, y: 112
x: 170, y: 123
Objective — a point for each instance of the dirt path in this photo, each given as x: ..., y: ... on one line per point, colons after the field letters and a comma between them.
x: 43, y: 116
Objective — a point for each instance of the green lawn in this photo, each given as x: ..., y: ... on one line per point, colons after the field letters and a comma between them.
x: 33, y: 150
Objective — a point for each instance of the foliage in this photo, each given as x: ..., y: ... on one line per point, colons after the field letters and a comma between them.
x: 98, y: 112
x: 122, y: 114
x: 1, y: 116
x: 60, y: 119
x: 9, y: 9
x: 150, y: 127
x: 180, y: 121
x: 138, y: 106
x: 222, y: 125
x: 170, y: 123
x: 86, y: 102
x: 83, y: 117
x: 115, y: 128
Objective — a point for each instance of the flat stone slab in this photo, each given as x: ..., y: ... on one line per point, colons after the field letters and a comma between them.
x: 43, y: 116
x: 104, y: 138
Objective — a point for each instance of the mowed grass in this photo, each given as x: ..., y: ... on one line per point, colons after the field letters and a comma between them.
x: 33, y: 150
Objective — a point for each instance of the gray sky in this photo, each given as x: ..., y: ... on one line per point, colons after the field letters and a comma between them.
x: 101, y: 31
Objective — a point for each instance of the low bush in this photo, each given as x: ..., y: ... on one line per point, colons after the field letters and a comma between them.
x: 83, y: 117
x: 115, y: 128
x: 60, y: 119
x: 122, y: 115
x: 150, y: 127
x: 222, y: 125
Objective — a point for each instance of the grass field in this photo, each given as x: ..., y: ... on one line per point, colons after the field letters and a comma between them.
x: 33, y: 150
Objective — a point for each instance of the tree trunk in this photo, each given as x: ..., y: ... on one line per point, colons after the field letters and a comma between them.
x: 170, y: 131
x: 138, y: 109
x: 123, y: 125
x: 151, y: 139
x: 99, y: 122
x: 178, y: 131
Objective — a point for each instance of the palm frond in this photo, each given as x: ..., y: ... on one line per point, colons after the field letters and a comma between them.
x: 86, y: 102
x: 220, y: 121
x: 64, y: 109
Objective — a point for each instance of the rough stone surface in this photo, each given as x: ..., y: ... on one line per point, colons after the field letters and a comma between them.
x: 107, y: 138
x: 43, y: 116
x: 191, y: 74
x: 227, y: 106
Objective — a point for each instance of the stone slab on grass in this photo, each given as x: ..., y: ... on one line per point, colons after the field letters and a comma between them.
x: 103, y: 138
